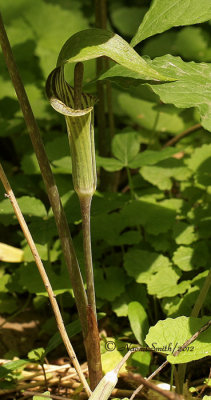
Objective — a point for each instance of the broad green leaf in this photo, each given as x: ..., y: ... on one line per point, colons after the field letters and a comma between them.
x: 36, y: 354
x: 164, y: 283
x: 126, y: 19
x: 152, y: 116
x: 163, y: 15
x: 200, y: 163
x: 40, y: 397
x: 189, y: 258
x: 182, y: 258
x: 184, y: 233
x: 142, y: 264
x: 112, y: 351
x: 30, y: 207
x: 93, y: 43
x: 3, y: 283
x: 8, y: 304
x: 138, y: 320
x: 6, y: 368
x: 155, y: 217
x: 161, y: 242
x: 125, y: 147
x: 133, y: 292
x: 170, y: 334
x: 160, y: 45
x: 109, y: 282
x: 192, y: 88
x: 193, y: 43
x: 152, y: 157
x: 109, y: 164
x: 140, y: 360
x: 30, y: 279
x: 161, y: 175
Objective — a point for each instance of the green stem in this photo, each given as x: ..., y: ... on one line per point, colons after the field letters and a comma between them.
x: 52, y: 190
x: 130, y: 181
x: 195, y: 312
x: 172, y: 376
x: 85, y: 204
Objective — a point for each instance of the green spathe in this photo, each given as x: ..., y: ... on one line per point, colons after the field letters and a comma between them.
x: 94, y: 43
x: 80, y: 130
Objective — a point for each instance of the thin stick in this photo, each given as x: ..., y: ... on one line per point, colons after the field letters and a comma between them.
x: 166, y: 393
x: 139, y: 388
x: 45, y: 279
x: 179, y: 137
x: 52, y: 190
x: 193, y: 338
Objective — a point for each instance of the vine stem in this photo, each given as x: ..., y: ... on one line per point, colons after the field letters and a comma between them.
x: 181, y: 135
x: 45, y: 279
x: 49, y: 181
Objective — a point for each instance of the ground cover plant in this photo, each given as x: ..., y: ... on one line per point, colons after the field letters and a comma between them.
x: 145, y: 70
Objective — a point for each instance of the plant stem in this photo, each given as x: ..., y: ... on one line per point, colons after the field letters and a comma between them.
x: 92, y: 340
x: 85, y: 204
x: 130, y: 181
x: 52, y: 191
x: 45, y: 279
x: 202, y: 295
x: 179, y: 137
x: 195, y: 312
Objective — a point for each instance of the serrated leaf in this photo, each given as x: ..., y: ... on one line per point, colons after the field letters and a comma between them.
x: 93, y: 43
x: 173, y: 333
x: 164, y: 15
x: 138, y: 320
x: 192, y: 88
